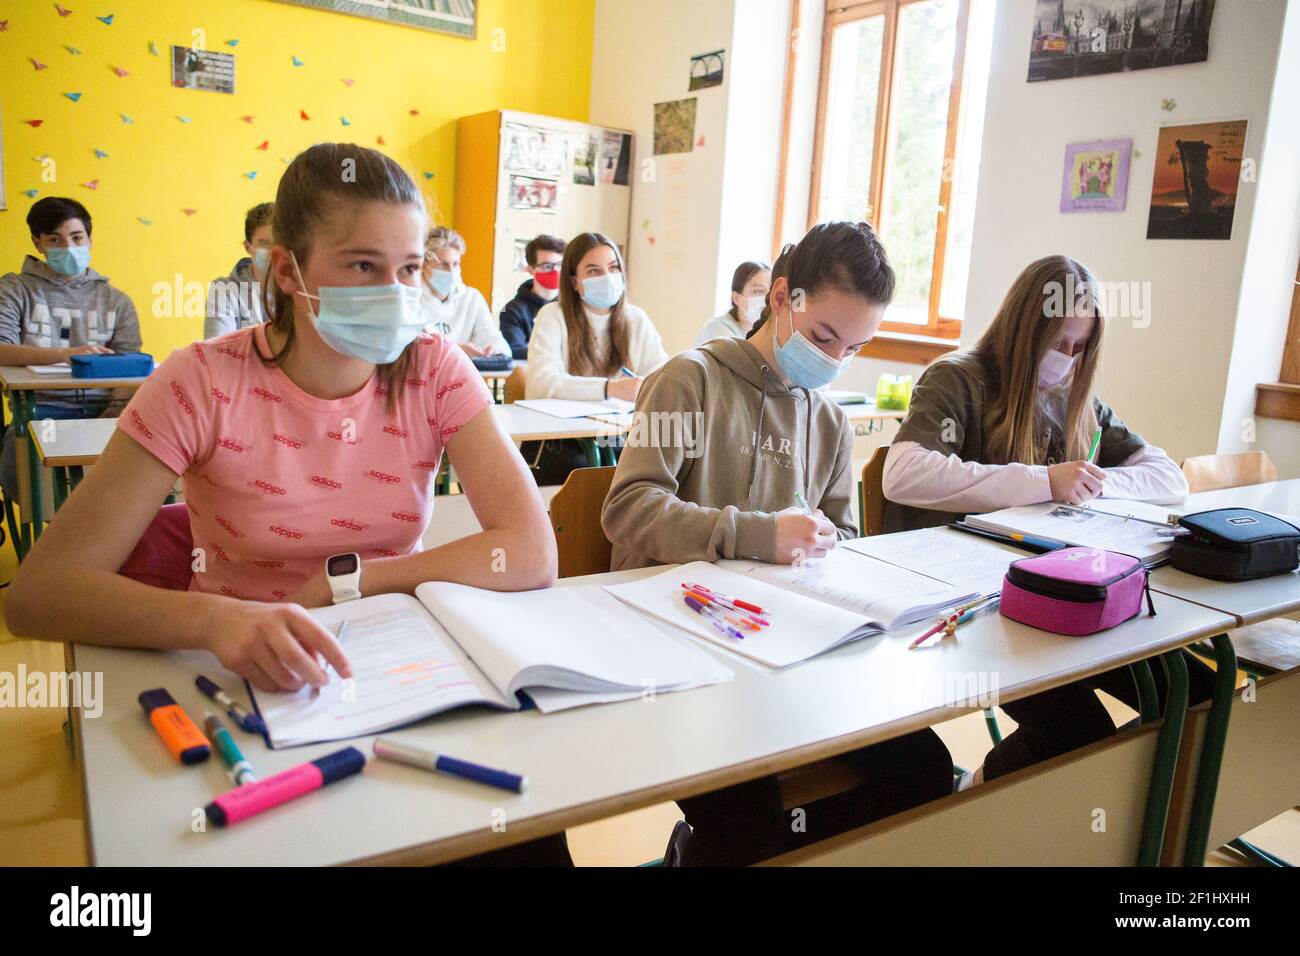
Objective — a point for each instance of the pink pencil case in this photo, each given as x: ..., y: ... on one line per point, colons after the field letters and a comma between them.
x: 1075, y: 591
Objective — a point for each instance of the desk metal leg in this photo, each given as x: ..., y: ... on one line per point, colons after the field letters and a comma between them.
x: 60, y: 487
x: 1162, y: 771
x: 592, y: 450
x: 1216, y: 736
x: 991, y: 722
x: 1148, y: 699
x: 31, y: 523
x: 75, y: 473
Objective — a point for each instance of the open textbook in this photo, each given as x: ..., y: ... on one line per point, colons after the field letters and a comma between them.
x: 813, y: 608
x: 1128, y: 527
x: 962, y: 560
x: 452, y: 645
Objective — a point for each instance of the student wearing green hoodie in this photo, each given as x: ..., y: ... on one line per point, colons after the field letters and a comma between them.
x: 755, y: 431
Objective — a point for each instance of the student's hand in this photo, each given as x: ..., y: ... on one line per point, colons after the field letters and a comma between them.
x: 625, y: 388
x: 1075, y: 482
x: 275, y: 646
x: 474, y: 351
x: 800, y: 536
x: 67, y: 353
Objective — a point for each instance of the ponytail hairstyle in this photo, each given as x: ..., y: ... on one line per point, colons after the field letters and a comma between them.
x: 582, y: 358
x: 313, y: 189
x: 1027, y: 324
x: 845, y: 256
x: 744, y: 272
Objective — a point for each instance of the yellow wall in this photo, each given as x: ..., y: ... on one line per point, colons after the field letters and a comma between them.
x: 158, y: 166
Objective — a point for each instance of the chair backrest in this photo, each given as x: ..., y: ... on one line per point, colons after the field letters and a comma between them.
x: 516, y: 383
x: 872, y: 492
x: 575, y: 516
x: 1210, y: 472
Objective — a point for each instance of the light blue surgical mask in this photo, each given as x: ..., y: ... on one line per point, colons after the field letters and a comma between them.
x: 261, y: 259
x: 603, y: 292
x: 442, y: 282
x: 804, y: 364
x: 69, y: 260
x: 374, y: 323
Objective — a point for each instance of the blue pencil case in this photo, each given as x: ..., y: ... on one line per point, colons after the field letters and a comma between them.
x: 124, y: 365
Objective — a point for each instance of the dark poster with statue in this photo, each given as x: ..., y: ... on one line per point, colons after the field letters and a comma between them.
x: 1194, y: 188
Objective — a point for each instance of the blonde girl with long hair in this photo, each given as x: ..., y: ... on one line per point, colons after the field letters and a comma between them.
x: 1010, y: 422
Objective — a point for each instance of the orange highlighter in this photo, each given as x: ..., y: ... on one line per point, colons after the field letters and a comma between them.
x: 182, y: 737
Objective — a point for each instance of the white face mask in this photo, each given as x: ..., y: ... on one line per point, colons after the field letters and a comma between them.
x: 754, y: 308
x: 1054, y: 368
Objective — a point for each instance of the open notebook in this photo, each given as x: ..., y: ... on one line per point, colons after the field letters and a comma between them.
x: 1129, y: 527
x: 812, y: 608
x: 571, y: 408
x: 453, y: 645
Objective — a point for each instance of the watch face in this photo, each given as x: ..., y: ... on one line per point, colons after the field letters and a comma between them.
x: 340, y: 565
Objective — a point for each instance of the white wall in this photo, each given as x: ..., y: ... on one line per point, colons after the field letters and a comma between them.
x: 1268, y: 280
x: 641, y: 56
x: 1167, y: 380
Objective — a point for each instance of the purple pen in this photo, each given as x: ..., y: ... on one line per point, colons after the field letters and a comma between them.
x: 712, y: 617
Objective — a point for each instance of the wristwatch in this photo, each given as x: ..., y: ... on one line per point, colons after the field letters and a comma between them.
x: 344, y: 574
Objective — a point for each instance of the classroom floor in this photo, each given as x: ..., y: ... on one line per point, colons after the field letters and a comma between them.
x: 42, y: 814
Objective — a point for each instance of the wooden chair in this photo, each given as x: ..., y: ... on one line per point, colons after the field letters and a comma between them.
x: 575, y: 516
x: 1212, y: 472
x: 516, y: 383
x: 871, y: 493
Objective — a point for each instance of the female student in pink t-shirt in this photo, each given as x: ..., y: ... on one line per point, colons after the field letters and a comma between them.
x: 318, y: 434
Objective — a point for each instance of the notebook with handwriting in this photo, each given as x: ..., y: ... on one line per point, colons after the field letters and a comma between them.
x: 454, y: 646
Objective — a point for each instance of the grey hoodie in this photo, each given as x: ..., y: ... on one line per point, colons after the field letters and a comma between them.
x: 718, y: 445
x: 234, y: 301
x: 42, y: 307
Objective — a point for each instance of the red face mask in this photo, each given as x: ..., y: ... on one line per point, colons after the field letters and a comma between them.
x: 548, y: 280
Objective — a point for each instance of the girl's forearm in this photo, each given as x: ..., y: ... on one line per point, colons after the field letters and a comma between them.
x: 91, y: 606
x: 498, y: 560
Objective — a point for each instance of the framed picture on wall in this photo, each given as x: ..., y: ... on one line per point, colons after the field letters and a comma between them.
x: 1194, y: 186
x: 457, y: 17
x: 1074, y: 38
x: 1096, y: 176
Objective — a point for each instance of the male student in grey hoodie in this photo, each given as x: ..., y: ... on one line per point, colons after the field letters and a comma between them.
x: 723, y: 439
x: 57, y: 307
x: 235, y: 300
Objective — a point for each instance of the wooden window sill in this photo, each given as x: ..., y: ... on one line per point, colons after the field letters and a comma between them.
x: 907, y: 349
x: 1278, y: 400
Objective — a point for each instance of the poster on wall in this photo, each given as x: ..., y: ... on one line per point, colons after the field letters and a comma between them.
x: 1096, y: 176
x: 706, y: 70
x: 585, y: 151
x: 457, y: 17
x: 675, y: 126
x: 203, y: 70
x: 1089, y: 37
x: 1194, y: 188
x: 535, y: 150
x: 533, y: 194
x: 615, y: 157
x: 520, y: 260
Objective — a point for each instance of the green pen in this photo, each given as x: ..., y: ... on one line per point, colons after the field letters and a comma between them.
x: 802, y: 502
x: 241, y: 771
x: 1096, y: 444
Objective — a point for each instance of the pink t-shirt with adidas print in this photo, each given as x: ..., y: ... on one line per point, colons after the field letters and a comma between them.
x: 277, y: 480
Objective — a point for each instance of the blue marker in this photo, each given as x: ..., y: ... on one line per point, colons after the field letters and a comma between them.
x: 246, y: 721
x: 627, y: 371
x: 390, y: 749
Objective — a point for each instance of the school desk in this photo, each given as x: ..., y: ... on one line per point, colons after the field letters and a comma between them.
x: 526, y: 424
x: 864, y: 417
x: 496, y: 379
x: 22, y: 384
x: 142, y: 807
x: 1237, y: 734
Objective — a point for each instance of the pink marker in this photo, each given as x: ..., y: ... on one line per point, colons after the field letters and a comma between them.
x: 251, y: 799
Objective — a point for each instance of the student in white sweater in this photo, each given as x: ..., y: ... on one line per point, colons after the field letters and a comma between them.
x: 454, y: 310
x: 749, y: 285
x: 583, y: 343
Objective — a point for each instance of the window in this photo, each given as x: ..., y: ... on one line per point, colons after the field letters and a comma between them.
x: 899, y: 125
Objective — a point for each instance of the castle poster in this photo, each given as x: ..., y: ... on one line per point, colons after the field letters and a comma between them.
x: 1194, y: 190
x: 1091, y: 37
